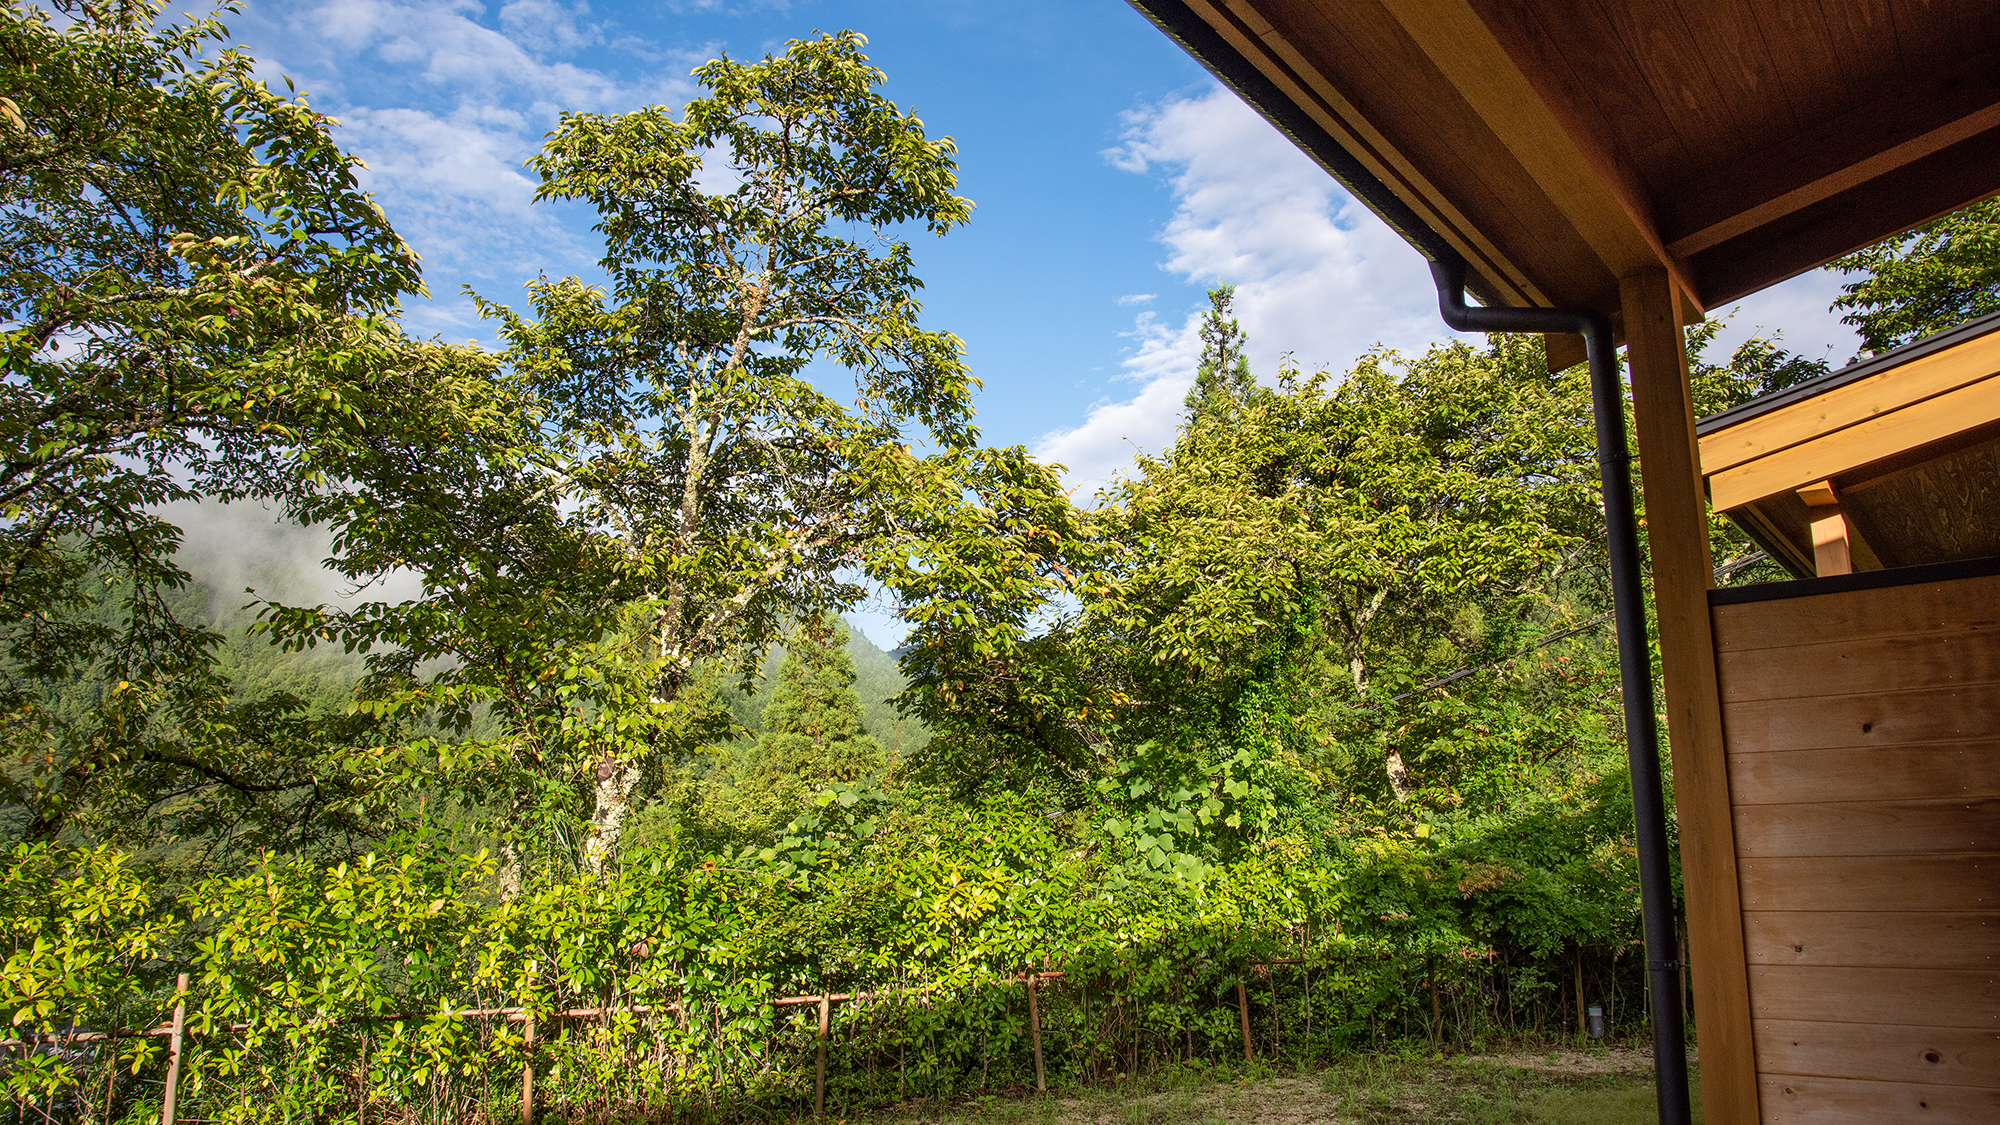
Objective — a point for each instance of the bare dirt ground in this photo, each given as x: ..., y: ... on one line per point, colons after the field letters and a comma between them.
x: 1555, y: 1086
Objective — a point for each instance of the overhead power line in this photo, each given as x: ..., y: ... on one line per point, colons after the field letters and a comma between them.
x: 1721, y: 572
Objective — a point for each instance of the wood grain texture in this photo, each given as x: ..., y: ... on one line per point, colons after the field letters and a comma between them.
x: 1794, y: 1100
x: 1947, y: 508
x: 1862, y: 773
x: 1842, y: 667
x: 1859, y: 401
x: 1677, y: 522
x: 1968, y: 605
x: 1912, y: 194
x: 1918, y: 716
x: 1872, y: 883
x: 1941, y: 939
x: 1301, y: 48
x: 1841, y: 450
x: 1935, y: 826
x: 1964, y: 998
x: 1932, y: 1056
x: 1583, y: 180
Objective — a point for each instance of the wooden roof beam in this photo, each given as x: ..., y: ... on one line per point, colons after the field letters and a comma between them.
x: 1827, y: 186
x: 1247, y: 32
x: 1596, y: 196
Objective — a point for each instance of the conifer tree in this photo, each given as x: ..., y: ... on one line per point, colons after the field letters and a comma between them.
x: 812, y: 725
x: 1223, y: 371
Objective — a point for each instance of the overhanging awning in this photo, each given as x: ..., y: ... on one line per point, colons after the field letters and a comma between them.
x: 1561, y: 145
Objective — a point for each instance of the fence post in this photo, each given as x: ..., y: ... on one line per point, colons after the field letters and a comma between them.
x: 111, y: 1079
x: 1243, y: 1010
x: 1035, y: 1030
x: 1581, y: 1029
x: 819, y: 1079
x: 1437, y: 1012
x: 174, y: 1051
x: 528, y: 1069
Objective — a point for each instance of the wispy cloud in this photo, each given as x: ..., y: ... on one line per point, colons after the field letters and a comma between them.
x: 445, y: 102
x: 1137, y: 298
x: 1317, y: 275
x: 544, y: 25
x: 1797, y: 312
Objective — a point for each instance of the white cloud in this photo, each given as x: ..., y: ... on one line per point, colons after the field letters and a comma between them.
x: 446, y: 109
x: 1137, y: 298
x: 1317, y: 275
x: 1797, y: 312
x: 545, y: 25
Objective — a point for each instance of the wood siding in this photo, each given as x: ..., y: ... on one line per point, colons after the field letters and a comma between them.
x: 1863, y: 735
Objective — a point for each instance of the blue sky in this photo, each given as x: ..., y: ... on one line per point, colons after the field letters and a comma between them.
x: 1114, y: 180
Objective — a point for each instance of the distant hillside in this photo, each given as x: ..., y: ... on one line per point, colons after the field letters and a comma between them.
x: 877, y: 679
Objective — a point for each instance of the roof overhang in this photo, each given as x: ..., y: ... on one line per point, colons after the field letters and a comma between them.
x: 1559, y: 146
x: 1907, y: 444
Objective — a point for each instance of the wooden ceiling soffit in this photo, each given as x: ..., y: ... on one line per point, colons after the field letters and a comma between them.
x: 1910, y: 155
x: 1495, y: 216
x: 1586, y: 185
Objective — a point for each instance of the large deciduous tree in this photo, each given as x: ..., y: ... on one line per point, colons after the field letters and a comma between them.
x: 198, y: 298
x: 687, y: 478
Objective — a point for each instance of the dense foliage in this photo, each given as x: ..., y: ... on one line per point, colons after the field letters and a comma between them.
x: 199, y: 303
x: 1311, y: 717
x: 1924, y: 280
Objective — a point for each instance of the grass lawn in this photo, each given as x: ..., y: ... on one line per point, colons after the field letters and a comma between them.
x: 1559, y: 1086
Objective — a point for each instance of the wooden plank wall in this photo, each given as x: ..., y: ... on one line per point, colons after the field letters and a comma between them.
x: 1863, y: 735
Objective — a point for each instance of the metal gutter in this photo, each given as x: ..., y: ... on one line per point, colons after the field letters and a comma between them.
x: 1607, y: 392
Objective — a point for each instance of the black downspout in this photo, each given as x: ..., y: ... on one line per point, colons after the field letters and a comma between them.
x: 1635, y: 667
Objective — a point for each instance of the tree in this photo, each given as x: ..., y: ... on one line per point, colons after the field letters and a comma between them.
x: 812, y: 734
x: 1328, y: 543
x: 198, y: 299
x: 680, y: 482
x: 1925, y: 280
x: 1222, y: 373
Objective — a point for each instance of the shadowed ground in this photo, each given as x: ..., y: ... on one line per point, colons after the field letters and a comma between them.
x: 1563, y: 1086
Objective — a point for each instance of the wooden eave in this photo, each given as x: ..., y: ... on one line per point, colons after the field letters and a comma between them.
x: 1560, y: 145
x: 1909, y: 439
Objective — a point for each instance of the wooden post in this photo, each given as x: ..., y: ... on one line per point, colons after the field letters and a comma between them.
x: 819, y: 1080
x: 1243, y: 1011
x: 528, y: 1069
x: 1035, y: 1031
x: 110, y: 1078
x: 1832, y: 551
x: 1437, y: 1012
x: 1677, y: 533
x: 174, y: 1051
x: 1581, y: 1027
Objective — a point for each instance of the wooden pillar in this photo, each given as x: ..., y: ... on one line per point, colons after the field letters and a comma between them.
x: 1676, y: 518
x: 1833, y: 553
